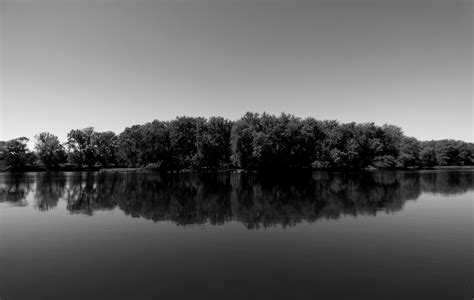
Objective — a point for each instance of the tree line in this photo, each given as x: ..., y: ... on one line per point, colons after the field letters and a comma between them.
x: 255, y: 141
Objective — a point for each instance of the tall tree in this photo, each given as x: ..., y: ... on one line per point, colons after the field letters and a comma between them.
x: 242, y: 136
x: 213, y: 143
x: 17, y: 154
x: 131, y: 146
x: 409, y: 152
x: 49, y: 150
x: 105, y: 145
x: 183, y: 146
x: 427, y: 154
x: 81, y: 148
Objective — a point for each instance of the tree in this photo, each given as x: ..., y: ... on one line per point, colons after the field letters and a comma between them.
x: 409, y: 152
x: 131, y: 146
x: 447, y: 153
x: 328, y: 141
x: 427, y: 154
x: 105, y: 145
x: 183, y: 148
x: 255, y: 141
x: 241, y: 140
x: 142, y: 145
x: 3, y: 149
x: 392, y: 138
x: 81, y: 149
x: 465, y: 155
x: 156, y: 144
x: 213, y: 143
x: 49, y: 150
x: 17, y: 155
x: 305, y: 141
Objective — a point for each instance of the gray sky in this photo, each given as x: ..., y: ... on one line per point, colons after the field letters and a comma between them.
x: 111, y: 64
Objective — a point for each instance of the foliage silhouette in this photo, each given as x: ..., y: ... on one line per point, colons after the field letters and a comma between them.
x: 255, y: 141
x: 49, y: 150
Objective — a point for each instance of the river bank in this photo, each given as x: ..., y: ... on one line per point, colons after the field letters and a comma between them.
x: 122, y: 169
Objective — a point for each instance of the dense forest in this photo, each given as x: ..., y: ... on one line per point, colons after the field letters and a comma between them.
x: 255, y: 141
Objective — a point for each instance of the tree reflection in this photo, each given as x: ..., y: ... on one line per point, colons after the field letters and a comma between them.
x: 14, y: 187
x: 50, y: 188
x: 87, y: 192
x: 256, y: 200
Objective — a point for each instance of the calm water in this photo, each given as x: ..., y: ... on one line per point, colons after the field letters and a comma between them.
x: 379, y: 235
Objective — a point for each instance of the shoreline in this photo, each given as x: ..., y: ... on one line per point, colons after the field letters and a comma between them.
x: 220, y: 170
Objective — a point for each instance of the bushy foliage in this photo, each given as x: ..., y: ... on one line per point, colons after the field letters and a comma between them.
x: 255, y: 141
x: 106, y: 147
x: 49, y: 150
x: 183, y: 132
x: 266, y: 141
x: 213, y: 143
x: 17, y: 155
x: 81, y: 150
x: 140, y: 145
x: 3, y: 149
x: 89, y: 147
x: 3, y: 152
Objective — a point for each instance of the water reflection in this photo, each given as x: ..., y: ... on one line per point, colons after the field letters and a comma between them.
x: 254, y: 200
x: 50, y: 187
x: 15, y: 187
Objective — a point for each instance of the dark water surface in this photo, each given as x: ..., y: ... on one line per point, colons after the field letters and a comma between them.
x: 372, y: 235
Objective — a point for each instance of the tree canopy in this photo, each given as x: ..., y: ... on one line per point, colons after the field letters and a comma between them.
x: 49, y: 150
x: 255, y: 141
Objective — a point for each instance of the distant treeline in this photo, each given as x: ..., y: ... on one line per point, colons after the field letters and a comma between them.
x: 256, y: 141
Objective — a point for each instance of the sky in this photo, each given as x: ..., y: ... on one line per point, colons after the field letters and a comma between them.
x: 114, y: 63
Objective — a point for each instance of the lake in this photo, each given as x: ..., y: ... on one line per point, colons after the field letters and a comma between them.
x: 320, y: 235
